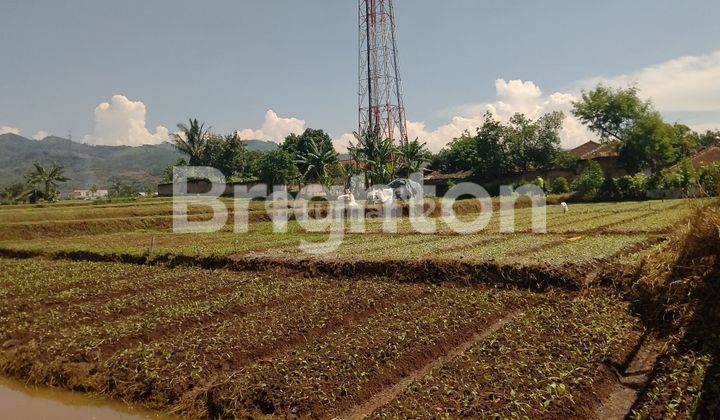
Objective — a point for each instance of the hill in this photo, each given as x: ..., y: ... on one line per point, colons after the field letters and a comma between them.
x: 88, y: 165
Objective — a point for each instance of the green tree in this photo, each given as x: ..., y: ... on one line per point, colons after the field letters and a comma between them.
x: 609, y: 189
x: 376, y: 155
x: 589, y: 181
x: 544, y: 148
x: 710, y: 137
x: 686, y: 141
x: 226, y: 154
x: 709, y: 179
x: 461, y: 154
x: 610, y: 112
x: 650, y: 143
x: 277, y: 168
x: 43, y: 183
x: 491, y: 156
x: 12, y: 193
x: 518, y: 134
x: 120, y: 188
x: 192, y: 140
x: 299, y: 146
x: 168, y: 175
x: 411, y: 157
x: 560, y: 185
x: 317, y: 159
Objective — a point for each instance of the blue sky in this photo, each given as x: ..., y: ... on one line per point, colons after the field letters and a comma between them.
x: 229, y: 62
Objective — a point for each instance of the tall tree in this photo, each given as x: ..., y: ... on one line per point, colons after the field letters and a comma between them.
x: 649, y: 143
x: 461, y: 154
x: 317, y: 159
x: 376, y: 154
x: 610, y: 112
x: 225, y: 153
x: 411, y: 157
x: 277, y: 168
x: 300, y: 145
x: 43, y: 183
x: 519, y: 134
x: 192, y: 140
x: 544, y: 148
x: 492, y: 157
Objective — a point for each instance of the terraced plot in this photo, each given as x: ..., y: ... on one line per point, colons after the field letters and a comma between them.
x: 400, y: 325
x: 217, y: 342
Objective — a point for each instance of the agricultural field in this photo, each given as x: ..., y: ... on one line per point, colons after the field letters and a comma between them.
x: 387, y: 323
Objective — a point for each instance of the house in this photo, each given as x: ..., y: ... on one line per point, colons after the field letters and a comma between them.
x: 605, y: 154
x: 352, y: 163
x: 707, y: 156
x: 443, y: 182
x: 88, y: 194
x: 80, y: 195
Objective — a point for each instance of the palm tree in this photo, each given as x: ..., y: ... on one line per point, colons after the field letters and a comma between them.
x: 317, y: 159
x: 411, y: 157
x: 43, y: 183
x: 192, y: 140
x: 376, y: 154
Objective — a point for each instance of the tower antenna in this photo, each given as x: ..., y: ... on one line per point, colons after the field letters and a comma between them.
x: 381, y: 107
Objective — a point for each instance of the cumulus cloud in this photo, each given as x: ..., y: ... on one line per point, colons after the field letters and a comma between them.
x: 40, y: 135
x: 341, y: 143
x: 121, y: 122
x: 686, y: 85
x: 4, y: 129
x: 274, y: 128
x: 512, y: 97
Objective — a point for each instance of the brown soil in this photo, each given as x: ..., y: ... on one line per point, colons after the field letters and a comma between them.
x: 630, y: 381
x: 536, y: 278
x: 388, y: 394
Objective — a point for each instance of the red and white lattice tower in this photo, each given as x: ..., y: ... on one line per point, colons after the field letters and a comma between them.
x: 381, y: 104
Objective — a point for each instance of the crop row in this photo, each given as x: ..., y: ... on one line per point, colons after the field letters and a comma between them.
x: 51, y: 313
x: 522, y: 249
x: 170, y: 366
x: 148, y: 318
x: 544, y: 363
x: 332, y: 373
x: 685, y: 384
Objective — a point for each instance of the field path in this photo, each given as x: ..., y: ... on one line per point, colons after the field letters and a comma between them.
x: 625, y: 392
x: 388, y: 394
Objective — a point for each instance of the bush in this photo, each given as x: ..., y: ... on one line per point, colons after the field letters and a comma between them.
x: 632, y: 187
x: 590, y: 180
x: 609, y: 189
x: 560, y: 185
x: 539, y: 182
x: 709, y: 179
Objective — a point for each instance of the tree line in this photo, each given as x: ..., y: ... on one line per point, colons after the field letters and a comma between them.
x: 644, y: 141
x: 304, y: 158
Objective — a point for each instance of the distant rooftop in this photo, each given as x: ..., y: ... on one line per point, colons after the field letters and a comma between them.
x: 595, y: 150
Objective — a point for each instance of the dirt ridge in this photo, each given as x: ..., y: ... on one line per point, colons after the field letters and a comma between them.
x: 388, y: 394
x: 532, y: 277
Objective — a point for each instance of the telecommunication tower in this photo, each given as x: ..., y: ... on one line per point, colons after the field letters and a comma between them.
x: 381, y: 106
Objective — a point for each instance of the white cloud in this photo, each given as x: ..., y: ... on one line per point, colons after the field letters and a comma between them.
x: 688, y: 85
x: 121, y: 122
x: 274, y: 128
x: 685, y: 84
x: 40, y: 135
x: 4, y: 129
x: 341, y: 143
x: 512, y: 97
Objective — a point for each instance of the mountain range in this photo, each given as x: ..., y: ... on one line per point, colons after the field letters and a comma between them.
x: 88, y: 165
